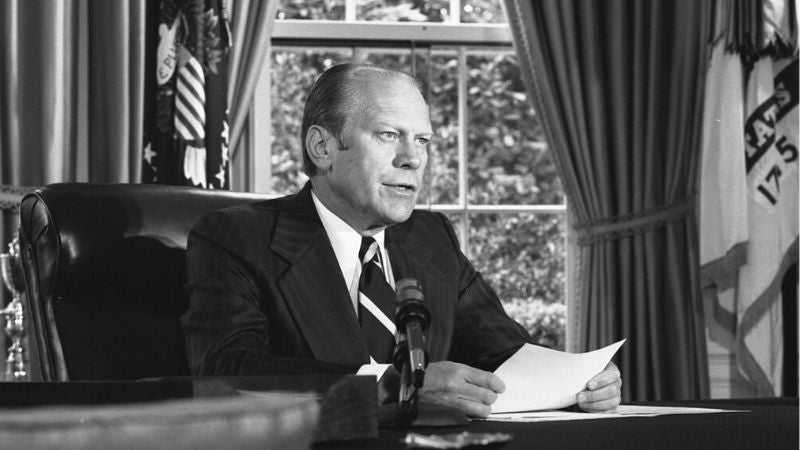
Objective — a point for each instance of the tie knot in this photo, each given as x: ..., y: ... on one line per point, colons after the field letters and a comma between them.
x: 369, y: 247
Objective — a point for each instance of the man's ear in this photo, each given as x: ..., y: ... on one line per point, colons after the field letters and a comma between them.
x: 317, y: 147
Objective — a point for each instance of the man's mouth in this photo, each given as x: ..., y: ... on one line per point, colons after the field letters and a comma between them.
x: 402, y: 187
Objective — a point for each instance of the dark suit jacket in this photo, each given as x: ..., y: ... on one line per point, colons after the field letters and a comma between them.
x: 268, y: 296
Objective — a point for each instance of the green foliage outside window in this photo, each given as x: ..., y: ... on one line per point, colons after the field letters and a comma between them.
x: 311, y: 9
x: 521, y: 255
x: 472, y: 11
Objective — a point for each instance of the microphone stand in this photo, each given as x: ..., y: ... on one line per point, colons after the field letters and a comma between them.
x: 407, y: 402
x: 409, y: 410
x: 410, y: 356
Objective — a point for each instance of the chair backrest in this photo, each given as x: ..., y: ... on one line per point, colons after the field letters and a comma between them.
x: 105, y: 272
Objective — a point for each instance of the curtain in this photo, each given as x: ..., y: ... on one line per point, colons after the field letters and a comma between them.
x: 70, y: 90
x: 252, y: 26
x: 619, y: 85
x: 70, y: 93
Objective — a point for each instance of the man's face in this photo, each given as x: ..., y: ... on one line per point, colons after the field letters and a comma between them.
x: 375, y: 181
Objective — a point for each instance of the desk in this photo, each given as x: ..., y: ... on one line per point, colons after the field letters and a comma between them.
x: 341, y: 406
x: 769, y: 424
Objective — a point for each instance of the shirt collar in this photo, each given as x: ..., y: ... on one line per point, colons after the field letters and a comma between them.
x: 345, y: 240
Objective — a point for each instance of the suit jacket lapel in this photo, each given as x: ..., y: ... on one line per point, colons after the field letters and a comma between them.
x: 313, y: 286
x: 411, y: 258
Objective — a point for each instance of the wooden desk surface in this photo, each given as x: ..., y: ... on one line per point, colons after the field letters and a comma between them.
x: 239, y: 412
x: 768, y: 424
x: 277, y: 421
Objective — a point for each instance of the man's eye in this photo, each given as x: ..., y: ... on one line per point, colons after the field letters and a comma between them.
x: 389, y: 136
x: 422, y: 141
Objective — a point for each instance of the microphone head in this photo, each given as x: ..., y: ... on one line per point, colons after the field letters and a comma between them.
x: 409, y: 288
x: 411, y: 304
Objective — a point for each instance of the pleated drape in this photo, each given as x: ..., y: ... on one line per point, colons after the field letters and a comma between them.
x: 71, y: 82
x: 619, y: 87
x: 71, y: 90
x: 251, y: 24
x: 70, y: 93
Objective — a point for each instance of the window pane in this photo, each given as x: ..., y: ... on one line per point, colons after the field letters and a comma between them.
x: 522, y: 256
x: 311, y: 9
x: 293, y: 73
x: 402, y: 10
x: 509, y: 162
x: 442, y: 93
x: 393, y: 58
x: 482, y: 11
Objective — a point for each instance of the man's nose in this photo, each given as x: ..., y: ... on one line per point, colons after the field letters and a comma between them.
x: 408, y: 156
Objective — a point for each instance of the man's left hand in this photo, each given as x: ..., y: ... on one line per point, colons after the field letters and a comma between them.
x: 603, y: 392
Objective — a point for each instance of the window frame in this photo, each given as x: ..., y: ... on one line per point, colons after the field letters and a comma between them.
x: 431, y: 33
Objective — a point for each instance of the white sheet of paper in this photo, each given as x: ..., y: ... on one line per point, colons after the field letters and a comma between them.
x: 544, y: 416
x: 539, y: 378
x: 373, y: 368
x: 646, y: 410
x: 621, y: 412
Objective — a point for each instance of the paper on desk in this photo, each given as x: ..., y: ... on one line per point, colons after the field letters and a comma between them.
x: 540, y: 378
x: 621, y: 412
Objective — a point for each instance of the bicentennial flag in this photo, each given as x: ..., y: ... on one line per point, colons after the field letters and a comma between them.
x: 723, y: 187
x: 771, y: 160
x: 749, y: 190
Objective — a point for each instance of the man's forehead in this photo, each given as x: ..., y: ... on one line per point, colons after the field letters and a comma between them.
x: 395, y: 99
x: 382, y: 87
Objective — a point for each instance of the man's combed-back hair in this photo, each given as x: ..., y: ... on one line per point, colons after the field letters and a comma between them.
x: 335, y: 96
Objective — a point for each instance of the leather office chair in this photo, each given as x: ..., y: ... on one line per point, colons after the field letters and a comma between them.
x: 105, y: 272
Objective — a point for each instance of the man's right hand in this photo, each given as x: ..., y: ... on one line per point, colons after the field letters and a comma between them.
x: 462, y: 387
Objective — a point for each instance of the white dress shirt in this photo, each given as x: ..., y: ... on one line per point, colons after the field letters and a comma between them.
x: 346, y: 243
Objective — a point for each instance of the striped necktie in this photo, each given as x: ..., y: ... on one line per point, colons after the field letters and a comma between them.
x: 375, y: 303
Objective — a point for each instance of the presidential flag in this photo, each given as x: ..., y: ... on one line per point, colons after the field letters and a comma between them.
x: 186, y: 130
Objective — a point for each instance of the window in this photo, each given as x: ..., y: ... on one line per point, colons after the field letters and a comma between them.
x: 490, y: 170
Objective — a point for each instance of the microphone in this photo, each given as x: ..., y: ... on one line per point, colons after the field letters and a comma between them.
x: 411, y: 318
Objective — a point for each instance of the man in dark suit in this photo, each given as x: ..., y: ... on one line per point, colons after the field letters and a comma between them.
x: 299, y: 283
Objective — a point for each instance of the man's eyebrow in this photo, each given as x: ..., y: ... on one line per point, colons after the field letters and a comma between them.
x: 395, y: 123
x: 403, y: 129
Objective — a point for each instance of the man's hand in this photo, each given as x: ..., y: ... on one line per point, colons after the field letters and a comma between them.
x: 603, y: 392
x: 462, y: 387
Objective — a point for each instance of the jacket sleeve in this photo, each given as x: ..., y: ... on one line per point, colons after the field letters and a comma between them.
x: 225, y: 329
x: 483, y: 335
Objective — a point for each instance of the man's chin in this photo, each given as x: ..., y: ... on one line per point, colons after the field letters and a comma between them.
x: 398, y: 214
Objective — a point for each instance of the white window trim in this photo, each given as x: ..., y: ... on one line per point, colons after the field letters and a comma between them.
x: 428, y: 32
